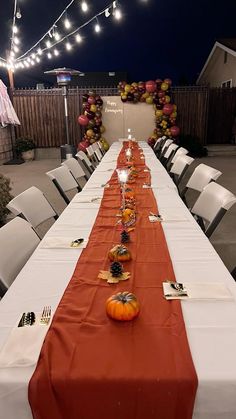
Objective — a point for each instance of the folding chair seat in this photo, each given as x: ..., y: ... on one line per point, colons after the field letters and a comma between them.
x: 201, y: 176
x: 82, y: 157
x: 180, y: 167
x: 74, y: 167
x: 18, y: 241
x: 33, y: 205
x: 64, y: 181
x: 212, y: 204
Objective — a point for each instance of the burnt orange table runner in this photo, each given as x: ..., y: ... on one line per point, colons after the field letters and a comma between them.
x: 92, y: 367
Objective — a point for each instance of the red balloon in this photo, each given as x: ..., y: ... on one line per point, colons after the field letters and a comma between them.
x: 83, y: 120
x: 91, y: 100
x: 175, y: 131
x: 83, y: 145
x: 168, y: 109
x: 151, y: 86
x: 161, y: 93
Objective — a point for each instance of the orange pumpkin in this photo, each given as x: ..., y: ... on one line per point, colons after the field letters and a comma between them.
x: 128, y: 217
x: 119, y: 253
x: 123, y: 306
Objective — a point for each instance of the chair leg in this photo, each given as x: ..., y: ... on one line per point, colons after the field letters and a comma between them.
x: 212, y: 226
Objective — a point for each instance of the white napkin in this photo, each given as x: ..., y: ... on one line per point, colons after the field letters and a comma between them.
x: 23, y: 346
x: 198, y: 291
x: 61, y: 243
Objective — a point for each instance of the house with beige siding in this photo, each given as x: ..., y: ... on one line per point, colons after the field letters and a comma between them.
x: 220, y: 67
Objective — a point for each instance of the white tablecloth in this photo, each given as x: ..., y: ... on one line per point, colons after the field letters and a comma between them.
x: 210, y: 325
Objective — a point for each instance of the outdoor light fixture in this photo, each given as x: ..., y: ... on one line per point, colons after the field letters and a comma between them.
x: 107, y: 13
x: 84, y: 6
x: 64, y: 76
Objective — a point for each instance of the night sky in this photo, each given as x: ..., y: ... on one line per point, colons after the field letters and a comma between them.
x: 155, y: 38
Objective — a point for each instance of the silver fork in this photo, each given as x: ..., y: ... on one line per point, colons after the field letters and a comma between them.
x: 46, y: 315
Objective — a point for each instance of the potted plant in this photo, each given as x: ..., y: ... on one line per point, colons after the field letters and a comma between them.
x: 24, y: 147
x: 5, y: 197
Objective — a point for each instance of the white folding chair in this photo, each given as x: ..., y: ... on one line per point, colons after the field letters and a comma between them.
x: 180, y: 167
x: 97, y: 151
x: 201, y: 176
x: 33, y: 205
x: 165, y: 146
x: 101, y: 148
x: 159, y: 144
x: 181, y: 150
x: 74, y: 167
x: 18, y: 240
x: 212, y: 204
x: 82, y: 157
x: 92, y: 155
x: 167, y: 156
x: 64, y: 181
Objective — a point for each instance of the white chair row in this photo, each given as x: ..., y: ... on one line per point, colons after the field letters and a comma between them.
x: 214, y: 200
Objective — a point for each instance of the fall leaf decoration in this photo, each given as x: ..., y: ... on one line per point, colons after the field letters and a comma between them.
x: 107, y: 276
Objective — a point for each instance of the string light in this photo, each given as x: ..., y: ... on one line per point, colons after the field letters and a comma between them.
x: 78, y: 38
x: 84, y: 6
x: 68, y: 46
x: 117, y: 14
x: 67, y: 23
x: 48, y: 44
x: 38, y: 59
x: 57, y: 38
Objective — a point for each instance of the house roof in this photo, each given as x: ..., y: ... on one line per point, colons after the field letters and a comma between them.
x: 227, y: 44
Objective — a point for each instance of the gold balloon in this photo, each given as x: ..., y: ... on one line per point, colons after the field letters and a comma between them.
x: 164, y: 86
x: 159, y: 113
x: 167, y: 99
x: 89, y: 133
x: 93, y: 108
x: 149, y: 100
x: 127, y: 88
x: 102, y: 129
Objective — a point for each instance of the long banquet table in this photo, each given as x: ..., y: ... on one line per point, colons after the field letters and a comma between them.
x: 210, y: 324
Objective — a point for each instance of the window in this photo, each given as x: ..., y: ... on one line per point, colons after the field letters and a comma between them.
x: 227, y: 83
x: 225, y: 57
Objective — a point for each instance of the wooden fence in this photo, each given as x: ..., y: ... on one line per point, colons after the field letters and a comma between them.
x: 202, y: 112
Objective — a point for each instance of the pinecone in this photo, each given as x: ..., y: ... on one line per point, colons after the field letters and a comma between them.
x: 125, y: 238
x: 116, y: 269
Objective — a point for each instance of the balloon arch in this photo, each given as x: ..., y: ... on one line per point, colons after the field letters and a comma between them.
x: 91, y: 120
x: 156, y: 93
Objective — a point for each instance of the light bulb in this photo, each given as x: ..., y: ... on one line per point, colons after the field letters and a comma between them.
x: 12, y: 54
x: 38, y: 59
x: 67, y: 23
x: 57, y: 36
x: 84, y: 6
x: 22, y: 65
x: 32, y: 62
x: 49, y: 55
x: 78, y: 38
x: 97, y: 28
x: 107, y: 13
x: 28, y: 60
x: 56, y: 52
x: 33, y: 55
x: 39, y: 51
x: 48, y: 44
x: 117, y: 14
x: 16, y: 40
x: 68, y: 46
x: 15, y: 29
x: 27, y: 64
x: 16, y: 49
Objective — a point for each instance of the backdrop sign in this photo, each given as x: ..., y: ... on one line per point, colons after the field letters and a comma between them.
x: 117, y: 117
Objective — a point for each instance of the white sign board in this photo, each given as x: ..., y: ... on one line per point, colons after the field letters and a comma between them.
x: 118, y: 117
